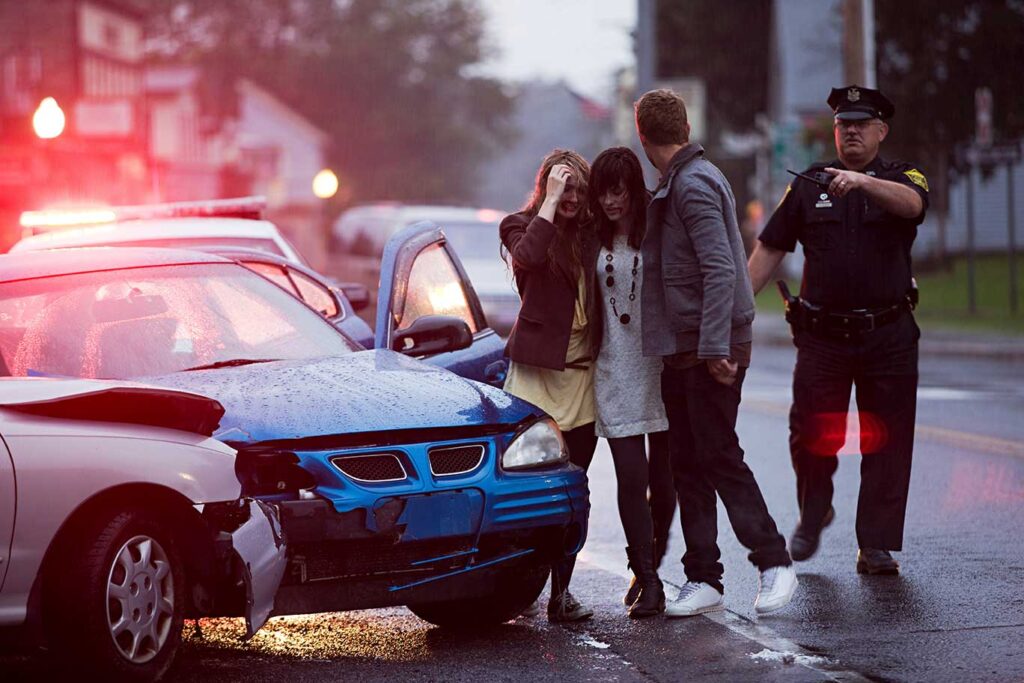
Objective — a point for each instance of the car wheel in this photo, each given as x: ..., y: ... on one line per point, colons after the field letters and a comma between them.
x: 516, y: 590
x: 118, y: 601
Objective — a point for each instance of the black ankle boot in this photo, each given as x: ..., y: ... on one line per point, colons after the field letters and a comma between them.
x: 652, y: 594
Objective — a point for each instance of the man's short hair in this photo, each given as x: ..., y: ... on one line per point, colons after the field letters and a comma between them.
x: 661, y: 117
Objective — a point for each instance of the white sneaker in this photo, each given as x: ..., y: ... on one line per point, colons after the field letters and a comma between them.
x: 695, y: 598
x: 776, y: 588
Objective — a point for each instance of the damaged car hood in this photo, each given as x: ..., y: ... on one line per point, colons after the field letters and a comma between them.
x: 111, y: 401
x: 369, y: 391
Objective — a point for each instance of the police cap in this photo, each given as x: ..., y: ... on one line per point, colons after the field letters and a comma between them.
x: 853, y: 102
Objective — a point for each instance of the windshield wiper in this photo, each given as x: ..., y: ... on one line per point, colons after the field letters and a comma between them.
x: 234, y: 362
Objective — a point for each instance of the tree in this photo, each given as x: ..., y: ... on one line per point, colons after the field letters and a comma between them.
x: 932, y: 55
x: 388, y: 80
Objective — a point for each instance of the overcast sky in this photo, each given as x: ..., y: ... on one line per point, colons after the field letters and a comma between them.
x: 580, y: 41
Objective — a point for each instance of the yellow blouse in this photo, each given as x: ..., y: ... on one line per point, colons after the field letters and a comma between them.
x: 566, y: 395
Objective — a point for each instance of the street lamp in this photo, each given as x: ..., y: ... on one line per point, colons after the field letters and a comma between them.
x: 325, y: 184
x: 48, y: 121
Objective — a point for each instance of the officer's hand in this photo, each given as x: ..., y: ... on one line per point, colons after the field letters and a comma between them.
x: 723, y: 370
x: 844, y: 181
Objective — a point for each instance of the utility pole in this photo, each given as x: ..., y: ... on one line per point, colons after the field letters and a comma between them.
x: 859, y: 41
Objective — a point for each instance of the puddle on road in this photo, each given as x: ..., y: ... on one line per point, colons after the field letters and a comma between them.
x: 590, y: 641
x: 773, y: 656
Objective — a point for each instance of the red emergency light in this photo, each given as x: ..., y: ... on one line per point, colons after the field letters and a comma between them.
x: 241, y: 207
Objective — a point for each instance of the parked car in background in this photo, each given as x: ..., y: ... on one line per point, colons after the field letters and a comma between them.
x: 120, y: 517
x: 397, y: 482
x: 473, y: 233
x: 180, y: 225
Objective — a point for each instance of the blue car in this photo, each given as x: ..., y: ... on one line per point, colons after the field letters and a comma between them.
x: 397, y: 481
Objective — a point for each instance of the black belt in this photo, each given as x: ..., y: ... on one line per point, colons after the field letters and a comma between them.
x: 578, y: 364
x: 819, y: 319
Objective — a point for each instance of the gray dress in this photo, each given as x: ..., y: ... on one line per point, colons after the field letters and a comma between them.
x: 627, y: 385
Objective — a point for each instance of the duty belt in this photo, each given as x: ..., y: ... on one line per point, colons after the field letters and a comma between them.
x: 819, y: 319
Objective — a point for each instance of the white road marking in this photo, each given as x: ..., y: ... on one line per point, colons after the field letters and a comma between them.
x: 751, y: 630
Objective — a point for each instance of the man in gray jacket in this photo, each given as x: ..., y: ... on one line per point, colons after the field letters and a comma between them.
x: 697, y: 310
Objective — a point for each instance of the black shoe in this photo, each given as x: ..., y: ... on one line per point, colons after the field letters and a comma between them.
x: 565, y: 608
x: 651, y: 600
x: 871, y: 561
x: 804, y: 542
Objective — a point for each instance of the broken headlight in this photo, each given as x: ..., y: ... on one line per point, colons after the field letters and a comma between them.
x: 539, y: 445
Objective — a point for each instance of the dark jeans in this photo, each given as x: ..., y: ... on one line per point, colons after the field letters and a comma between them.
x: 883, y: 366
x: 646, y: 518
x: 707, y: 459
x: 581, y: 442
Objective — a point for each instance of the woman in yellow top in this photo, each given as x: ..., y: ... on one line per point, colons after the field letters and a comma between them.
x: 552, y: 343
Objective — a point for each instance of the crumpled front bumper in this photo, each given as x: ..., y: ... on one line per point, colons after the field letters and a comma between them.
x: 250, y: 531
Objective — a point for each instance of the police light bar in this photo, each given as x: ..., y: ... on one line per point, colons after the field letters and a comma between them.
x: 241, y: 207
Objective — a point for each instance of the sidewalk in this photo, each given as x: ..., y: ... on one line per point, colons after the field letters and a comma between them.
x: 771, y: 329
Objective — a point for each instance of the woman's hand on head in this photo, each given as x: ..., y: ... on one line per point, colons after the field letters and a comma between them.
x: 557, y: 179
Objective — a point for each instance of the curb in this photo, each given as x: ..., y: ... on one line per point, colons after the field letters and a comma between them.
x: 776, y: 333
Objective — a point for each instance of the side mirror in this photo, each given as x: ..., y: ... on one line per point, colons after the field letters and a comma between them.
x: 358, y: 295
x: 432, y: 334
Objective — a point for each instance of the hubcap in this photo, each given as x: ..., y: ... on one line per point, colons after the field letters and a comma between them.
x: 140, y: 599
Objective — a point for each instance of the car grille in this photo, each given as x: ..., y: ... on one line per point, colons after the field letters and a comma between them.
x: 455, y: 459
x: 372, y: 467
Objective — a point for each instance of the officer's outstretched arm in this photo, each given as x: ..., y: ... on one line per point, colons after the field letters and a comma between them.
x: 763, y: 262
x: 894, y: 197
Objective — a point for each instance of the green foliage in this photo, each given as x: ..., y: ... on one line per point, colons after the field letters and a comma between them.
x: 724, y: 43
x: 387, y: 79
x: 931, y: 56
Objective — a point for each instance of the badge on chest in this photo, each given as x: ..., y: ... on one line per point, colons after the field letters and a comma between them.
x: 824, y: 201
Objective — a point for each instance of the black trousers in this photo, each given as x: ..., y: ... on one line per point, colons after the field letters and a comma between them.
x: 581, y: 442
x: 707, y: 460
x: 646, y: 492
x: 883, y: 366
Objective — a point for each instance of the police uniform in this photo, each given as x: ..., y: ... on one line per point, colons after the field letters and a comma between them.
x: 852, y: 326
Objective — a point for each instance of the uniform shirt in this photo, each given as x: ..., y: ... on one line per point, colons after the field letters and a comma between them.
x: 856, y: 255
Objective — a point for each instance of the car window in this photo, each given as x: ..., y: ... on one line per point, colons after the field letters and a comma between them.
x: 276, y: 274
x: 142, y: 322
x: 315, y: 294
x: 434, y: 288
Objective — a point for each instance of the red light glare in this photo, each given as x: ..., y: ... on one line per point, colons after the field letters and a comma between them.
x: 831, y: 434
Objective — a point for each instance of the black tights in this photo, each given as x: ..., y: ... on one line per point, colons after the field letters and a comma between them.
x: 581, y: 443
x: 644, y: 521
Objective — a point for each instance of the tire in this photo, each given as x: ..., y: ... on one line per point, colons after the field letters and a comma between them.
x: 116, y: 603
x: 515, y: 592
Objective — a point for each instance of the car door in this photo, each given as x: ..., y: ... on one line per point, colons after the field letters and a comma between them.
x: 7, y: 501
x: 421, y: 275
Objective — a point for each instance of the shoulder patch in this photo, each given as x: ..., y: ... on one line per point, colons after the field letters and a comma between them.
x: 917, y: 178
x: 789, y: 188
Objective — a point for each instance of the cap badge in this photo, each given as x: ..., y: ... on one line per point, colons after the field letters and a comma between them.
x: 853, y: 94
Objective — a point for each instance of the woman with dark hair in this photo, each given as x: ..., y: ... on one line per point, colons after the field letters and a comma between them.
x: 552, y: 244
x: 628, y: 385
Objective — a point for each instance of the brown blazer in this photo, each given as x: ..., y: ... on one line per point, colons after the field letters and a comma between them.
x: 540, y: 336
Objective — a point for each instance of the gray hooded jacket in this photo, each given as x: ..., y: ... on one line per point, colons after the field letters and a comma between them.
x: 696, y: 289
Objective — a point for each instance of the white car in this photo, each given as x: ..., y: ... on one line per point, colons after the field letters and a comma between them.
x: 179, y: 225
x: 120, y: 517
x: 363, y: 230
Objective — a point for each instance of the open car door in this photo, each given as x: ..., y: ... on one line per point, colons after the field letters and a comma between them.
x: 427, y: 308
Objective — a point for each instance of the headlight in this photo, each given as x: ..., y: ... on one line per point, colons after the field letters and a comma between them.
x: 540, y: 445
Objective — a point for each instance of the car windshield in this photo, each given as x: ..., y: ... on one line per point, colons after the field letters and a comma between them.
x: 149, y: 321
x: 473, y: 239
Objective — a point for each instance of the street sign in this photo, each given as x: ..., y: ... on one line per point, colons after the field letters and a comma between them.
x: 983, y: 117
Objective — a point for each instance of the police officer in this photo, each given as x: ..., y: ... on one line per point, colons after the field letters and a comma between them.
x: 856, y: 218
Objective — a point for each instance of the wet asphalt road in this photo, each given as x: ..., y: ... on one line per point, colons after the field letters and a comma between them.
x: 956, y: 613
